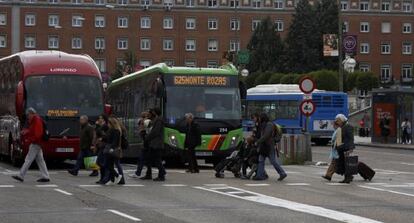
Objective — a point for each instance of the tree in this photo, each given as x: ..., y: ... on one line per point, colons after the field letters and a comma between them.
x: 326, y: 80
x: 266, y: 48
x: 367, y: 81
x: 275, y: 78
x: 351, y: 79
x: 289, y: 79
x: 303, y: 40
x: 262, y: 78
x: 327, y: 20
x: 127, y: 67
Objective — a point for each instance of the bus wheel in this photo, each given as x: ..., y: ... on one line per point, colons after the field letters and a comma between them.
x: 15, y: 161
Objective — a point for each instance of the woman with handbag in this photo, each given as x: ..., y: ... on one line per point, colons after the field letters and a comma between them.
x: 336, y: 141
x: 112, y: 152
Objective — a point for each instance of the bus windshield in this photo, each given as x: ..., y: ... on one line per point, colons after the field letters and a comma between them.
x: 52, y: 95
x: 203, y: 102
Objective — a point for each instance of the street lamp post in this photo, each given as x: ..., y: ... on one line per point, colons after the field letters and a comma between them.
x: 340, y: 50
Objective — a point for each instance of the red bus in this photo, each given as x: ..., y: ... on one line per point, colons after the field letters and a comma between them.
x: 60, y: 86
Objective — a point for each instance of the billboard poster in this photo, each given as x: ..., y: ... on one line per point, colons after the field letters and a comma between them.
x: 323, y: 125
x: 330, y: 45
x: 349, y: 44
x: 381, y: 109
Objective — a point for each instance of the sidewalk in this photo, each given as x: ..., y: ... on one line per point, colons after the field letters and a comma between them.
x: 366, y: 141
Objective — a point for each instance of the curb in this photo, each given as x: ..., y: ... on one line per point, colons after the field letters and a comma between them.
x: 382, y: 146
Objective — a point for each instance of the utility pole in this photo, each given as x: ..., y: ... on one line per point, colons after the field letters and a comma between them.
x: 340, y: 49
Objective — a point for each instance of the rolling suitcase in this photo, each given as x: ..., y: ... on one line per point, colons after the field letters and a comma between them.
x: 365, y: 171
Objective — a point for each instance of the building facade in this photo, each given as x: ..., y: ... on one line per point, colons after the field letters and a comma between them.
x: 195, y: 32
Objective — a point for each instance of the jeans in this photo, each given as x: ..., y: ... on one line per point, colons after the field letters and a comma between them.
x: 109, y: 169
x: 79, y: 161
x: 273, y: 161
x: 119, y: 167
x: 141, y: 161
x: 35, y: 153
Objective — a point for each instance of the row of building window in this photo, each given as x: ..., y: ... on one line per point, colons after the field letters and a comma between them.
x: 122, y: 43
x: 386, y: 71
x: 384, y: 6
x: 277, y: 4
x: 385, y: 47
x: 145, y: 22
x: 364, y: 27
x: 144, y: 63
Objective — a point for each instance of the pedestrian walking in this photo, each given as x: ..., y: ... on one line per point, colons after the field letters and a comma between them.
x: 344, y: 149
x: 86, y: 145
x: 112, y: 152
x: 267, y: 148
x: 143, y: 130
x: 333, y: 156
x: 155, y: 140
x: 385, y: 127
x: 34, y: 136
x: 101, y: 129
x: 124, y: 146
x: 406, y: 131
x: 192, y: 140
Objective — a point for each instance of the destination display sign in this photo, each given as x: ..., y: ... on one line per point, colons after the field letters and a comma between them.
x: 200, y: 80
x: 62, y: 113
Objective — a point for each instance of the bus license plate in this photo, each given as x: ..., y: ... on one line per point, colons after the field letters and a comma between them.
x: 204, y: 154
x: 64, y: 150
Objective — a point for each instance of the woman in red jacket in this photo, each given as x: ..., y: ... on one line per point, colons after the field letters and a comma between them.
x: 34, y: 136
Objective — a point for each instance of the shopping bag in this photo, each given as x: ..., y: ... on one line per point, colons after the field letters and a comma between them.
x: 351, y: 165
x: 90, y: 163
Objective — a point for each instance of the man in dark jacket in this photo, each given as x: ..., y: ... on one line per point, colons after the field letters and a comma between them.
x: 86, y: 145
x: 33, y: 137
x: 346, y: 147
x: 155, y: 140
x: 266, y: 144
x: 192, y: 140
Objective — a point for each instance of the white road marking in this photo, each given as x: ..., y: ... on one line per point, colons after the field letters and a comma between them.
x: 133, y: 185
x: 124, y: 215
x: 235, y: 192
x: 385, y: 190
x: 399, y: 185
x: 337, y: 184
x: 375, y: 184
x: 409, y: 164
x: 215, y: 185
x: 257, y: 185
x: 90, y: 185
x: 219, y: 188
x: 297, y: 184
x: 174, y: 185
x: 46, y: 185
x: 392, y: 172
x: 6, y: 186
x: 295, y: 206
x: 63, y: 192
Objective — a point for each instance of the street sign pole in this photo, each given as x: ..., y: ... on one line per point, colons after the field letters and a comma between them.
x: 307, y: 85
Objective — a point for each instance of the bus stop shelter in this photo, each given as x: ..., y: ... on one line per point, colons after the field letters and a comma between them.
x: 398, y: 104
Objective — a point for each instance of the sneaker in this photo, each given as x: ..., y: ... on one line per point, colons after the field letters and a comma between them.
x: 160, y: 179
x: 327, y: 178
x: 118, y: 179
x: 43, y: 180
x: 18, y: 178
x: 134, y: 175
x: 282, y: 177
x: 73, y: 172
x: 146, y: 178
x: 94, y: 173
x: 122, y: 181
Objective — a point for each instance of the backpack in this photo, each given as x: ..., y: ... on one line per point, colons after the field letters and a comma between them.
x: 46, y: 134
x: 277, y: 133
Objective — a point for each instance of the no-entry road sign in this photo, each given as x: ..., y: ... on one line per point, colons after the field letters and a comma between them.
x: 307, y: 107
x: 307, y: 85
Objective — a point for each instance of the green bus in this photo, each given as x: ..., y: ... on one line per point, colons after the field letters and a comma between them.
x: 212, y: 95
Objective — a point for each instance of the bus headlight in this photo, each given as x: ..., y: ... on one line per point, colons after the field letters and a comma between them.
x: 173, y: 140
x: 234, y: 140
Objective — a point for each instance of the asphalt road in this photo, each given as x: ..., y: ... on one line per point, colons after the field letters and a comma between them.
x: 303, y: 197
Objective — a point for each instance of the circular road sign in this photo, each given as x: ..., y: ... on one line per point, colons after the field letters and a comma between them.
x: 307, y: 107
x: 349, y: 43
x: 307, y: 85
